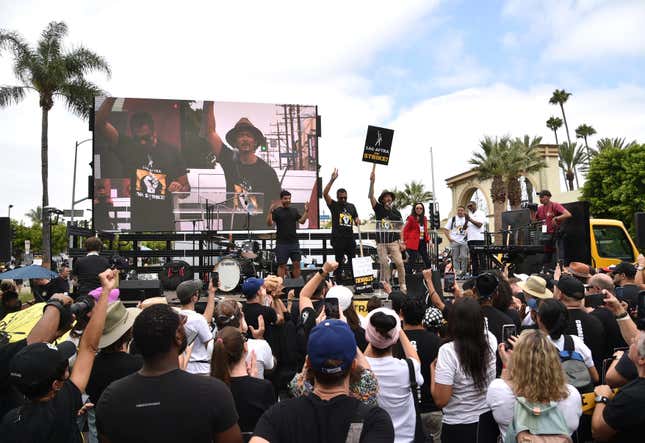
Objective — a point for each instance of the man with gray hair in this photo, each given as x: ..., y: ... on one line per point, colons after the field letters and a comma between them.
x: 620, y: 417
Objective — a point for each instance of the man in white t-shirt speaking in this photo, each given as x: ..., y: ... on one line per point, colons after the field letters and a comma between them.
x: 456, y: 231
x: 188, y: 294
x: 475, y: 234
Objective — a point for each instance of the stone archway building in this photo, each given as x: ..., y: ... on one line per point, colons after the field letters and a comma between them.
x: 463, y: 185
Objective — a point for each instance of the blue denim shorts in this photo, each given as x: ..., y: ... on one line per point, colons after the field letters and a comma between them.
x: 284, y: 252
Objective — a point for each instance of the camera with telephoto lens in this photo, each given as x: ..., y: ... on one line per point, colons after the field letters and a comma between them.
x: 81, y: 307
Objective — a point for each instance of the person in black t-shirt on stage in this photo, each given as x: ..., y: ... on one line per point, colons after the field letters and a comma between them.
x: 60, y: 284
x: 329, y: 414
x: 286, y: 220
x: 343, y: 218
x: 155, y: 169
x: 244, y: 171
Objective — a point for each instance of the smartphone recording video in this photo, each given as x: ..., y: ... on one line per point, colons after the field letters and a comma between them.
x: 449, y: 282
x: 508, y: 331
x: 331, y: 308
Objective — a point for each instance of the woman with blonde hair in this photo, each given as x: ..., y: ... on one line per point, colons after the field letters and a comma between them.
x: 532, y: 370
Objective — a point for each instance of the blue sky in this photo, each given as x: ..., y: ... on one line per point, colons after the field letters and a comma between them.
x: 441, y: 73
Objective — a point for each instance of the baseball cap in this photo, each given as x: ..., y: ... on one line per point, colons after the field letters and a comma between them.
x: 39, y: 362
x: 544, y: 192
x: 571, y: 287
x: 251, y: 286
x: 186, y: 289
x: 625, y: 268
x: 343, y: 294
x: 486, y: 284
x: 331, y: 340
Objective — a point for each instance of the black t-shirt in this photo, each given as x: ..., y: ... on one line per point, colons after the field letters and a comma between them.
x: 359, y: 336
x: 624, y: 413
x: 343, y: 217
x: 251, y: 313
x: 151, y: 171
x: 108, y: 367
x: 59, y: 285
x: 51, y: 421
x: 312, y: 420
x: 591, y: 331
x: 626, y: 367
x: 515, y: 316
x: 383, y: 216
x: 253, y: 396
x: 494, y: 320
x: 10, y: 397
x: 286, y: 221
x: 427, y: 345
x: 258, y: 177
x: 613, y: 338
x: 87, y: 269
x: 173, y: 407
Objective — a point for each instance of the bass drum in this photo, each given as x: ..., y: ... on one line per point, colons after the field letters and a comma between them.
x: 229, y: 274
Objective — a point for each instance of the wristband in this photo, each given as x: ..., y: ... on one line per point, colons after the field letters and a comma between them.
x: 622, y: 316
x: 322, y: 272
x: 56, y: 303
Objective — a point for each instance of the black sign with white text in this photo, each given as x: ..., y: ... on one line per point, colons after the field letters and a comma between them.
x: 378, y: 144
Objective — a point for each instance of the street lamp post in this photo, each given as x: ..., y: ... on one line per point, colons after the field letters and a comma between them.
x: 74, y: 178
x: 10, y: 233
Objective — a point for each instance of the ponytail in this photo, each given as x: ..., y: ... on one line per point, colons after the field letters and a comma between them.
x: 228, y: 350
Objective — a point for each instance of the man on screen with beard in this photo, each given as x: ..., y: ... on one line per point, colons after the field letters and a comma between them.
x: 244, y: 171
x: 155, y: 169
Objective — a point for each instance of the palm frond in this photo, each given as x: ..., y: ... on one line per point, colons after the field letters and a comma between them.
x: 49, y: 45
x: 10, y: 95
x: 81, y: 61
x: 79, y: 96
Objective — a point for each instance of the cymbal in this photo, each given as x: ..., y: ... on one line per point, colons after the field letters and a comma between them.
x: 267, y: 236
x: 225, y: 243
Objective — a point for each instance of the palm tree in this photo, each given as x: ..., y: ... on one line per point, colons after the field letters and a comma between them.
x: 560, y: 97
x: 522, y: 158
x: 608, y: 143
x: 583, y: 131
x: 491, y: 162
x: 412, y: 192
x: 51, y: 71
x: 554, y: 123
x: 571, y: 157
x: 35, y: 216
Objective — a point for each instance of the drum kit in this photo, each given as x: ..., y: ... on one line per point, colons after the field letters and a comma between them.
x: 243, y: 261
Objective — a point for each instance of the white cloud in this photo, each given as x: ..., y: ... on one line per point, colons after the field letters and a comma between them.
x: 582, y: 30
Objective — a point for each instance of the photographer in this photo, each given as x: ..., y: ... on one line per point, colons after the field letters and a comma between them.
x: 41, y: 372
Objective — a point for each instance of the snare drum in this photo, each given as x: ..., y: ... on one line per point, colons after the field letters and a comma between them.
x: 229, y: 273
x: 250, y: 249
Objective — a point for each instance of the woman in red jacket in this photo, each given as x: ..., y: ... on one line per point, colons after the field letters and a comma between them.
x: 415, y: 236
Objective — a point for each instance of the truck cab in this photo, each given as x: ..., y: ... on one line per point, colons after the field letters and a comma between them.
x: 610, y: 243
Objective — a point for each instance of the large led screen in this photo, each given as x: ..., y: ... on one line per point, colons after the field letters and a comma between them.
x: 184, y: 165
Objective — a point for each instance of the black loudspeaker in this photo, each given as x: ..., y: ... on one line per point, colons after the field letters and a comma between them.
x: 639, y: 227
x: 5, y: 239
x: 318, y: 128
x: 320, y: 187
x: 417, y: 287
x: 137, y: 290
x: 577, y: 240
x: 293, y: 283
x: 90, y: 120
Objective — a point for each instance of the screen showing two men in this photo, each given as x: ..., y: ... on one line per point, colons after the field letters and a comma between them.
x: 181, y: 165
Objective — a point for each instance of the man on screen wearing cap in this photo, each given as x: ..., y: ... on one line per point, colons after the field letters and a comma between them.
x: 571, y: 292
x: 244, y: 171
x: 41, y: 373
x: 552, y: 215
x: 188, y: 294
x: 329, y: 414
x: 388, y: 240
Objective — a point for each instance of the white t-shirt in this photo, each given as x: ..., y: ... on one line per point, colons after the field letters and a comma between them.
x: 467, y: 403
x: 578, y: 345
x: 263, y: 355
x: 200, y: 357
x: 472, y: 231
x: 457, y: 232
x: 394, y: 393
x: 501, y: 400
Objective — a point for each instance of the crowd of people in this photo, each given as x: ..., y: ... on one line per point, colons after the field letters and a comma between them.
x: 506, y: 357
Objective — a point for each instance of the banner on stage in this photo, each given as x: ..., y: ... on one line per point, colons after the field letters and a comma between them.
x: 363, y: 274
x: 378, y: 144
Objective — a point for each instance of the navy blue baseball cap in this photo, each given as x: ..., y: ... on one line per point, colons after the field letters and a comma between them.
x: 331, y: 340
x: 251, y: 286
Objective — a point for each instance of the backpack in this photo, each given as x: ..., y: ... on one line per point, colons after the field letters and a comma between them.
x: 356, y: 425
x: 537, y: 423
x: 452, y: 224
x: 574, y: 367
